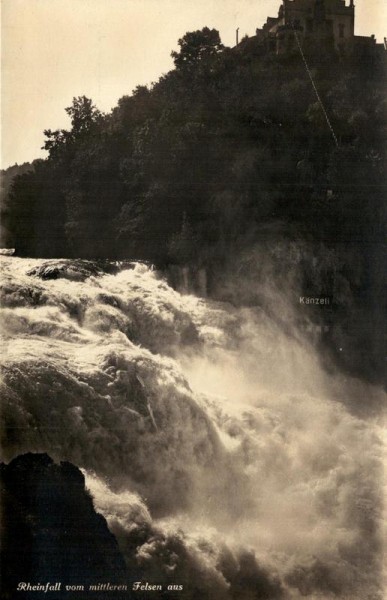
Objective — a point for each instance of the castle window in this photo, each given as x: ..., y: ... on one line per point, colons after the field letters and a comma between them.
x: 341, y: 30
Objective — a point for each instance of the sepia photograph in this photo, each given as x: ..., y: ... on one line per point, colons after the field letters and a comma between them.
x: 193, y: 299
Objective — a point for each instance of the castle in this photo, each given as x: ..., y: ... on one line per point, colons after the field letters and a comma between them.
x: 314, y: 24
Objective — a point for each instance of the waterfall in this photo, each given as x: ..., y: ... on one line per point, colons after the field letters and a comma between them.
x: 211, y: 435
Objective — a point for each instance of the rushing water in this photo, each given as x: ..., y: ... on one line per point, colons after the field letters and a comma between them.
x: 207, y: 433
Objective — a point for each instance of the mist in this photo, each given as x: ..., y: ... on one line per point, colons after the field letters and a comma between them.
x: 223, y: 453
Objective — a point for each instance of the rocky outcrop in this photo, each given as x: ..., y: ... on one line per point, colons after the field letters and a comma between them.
x: 51, y: 532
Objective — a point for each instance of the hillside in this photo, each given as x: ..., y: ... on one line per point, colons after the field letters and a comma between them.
x: 227, y: 166
x: 6, y: 178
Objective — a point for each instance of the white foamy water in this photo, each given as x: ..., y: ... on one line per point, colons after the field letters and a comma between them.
x: 214, y: 443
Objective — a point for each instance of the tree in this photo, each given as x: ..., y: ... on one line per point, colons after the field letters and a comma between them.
x: 84, y: 116
x: 36, y: 212
x: 197, y: 47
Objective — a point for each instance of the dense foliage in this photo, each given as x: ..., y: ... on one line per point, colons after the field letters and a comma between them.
x: 228, y: 145
x: 221, y: 145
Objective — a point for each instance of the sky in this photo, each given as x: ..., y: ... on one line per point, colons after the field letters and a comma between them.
x: 53, y: 50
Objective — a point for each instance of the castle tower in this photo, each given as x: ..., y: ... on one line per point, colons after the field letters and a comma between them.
x: 320, y: 20
x: 317, y: 24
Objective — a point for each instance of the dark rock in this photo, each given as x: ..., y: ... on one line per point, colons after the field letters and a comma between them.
x: 51, y: 532
x: 74, y: 270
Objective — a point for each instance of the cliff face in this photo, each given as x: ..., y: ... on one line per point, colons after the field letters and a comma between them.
x: 51, y: 532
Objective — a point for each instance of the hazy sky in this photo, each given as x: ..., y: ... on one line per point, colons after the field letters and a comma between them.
x: 53, y: 50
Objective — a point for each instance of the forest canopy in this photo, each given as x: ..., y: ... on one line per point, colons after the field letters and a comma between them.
x: 228, y: 141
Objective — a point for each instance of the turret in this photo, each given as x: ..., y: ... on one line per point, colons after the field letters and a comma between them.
x: 352, y: 6
x: 319, y: 11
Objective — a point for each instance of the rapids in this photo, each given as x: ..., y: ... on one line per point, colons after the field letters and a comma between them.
x: 219, y: 450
